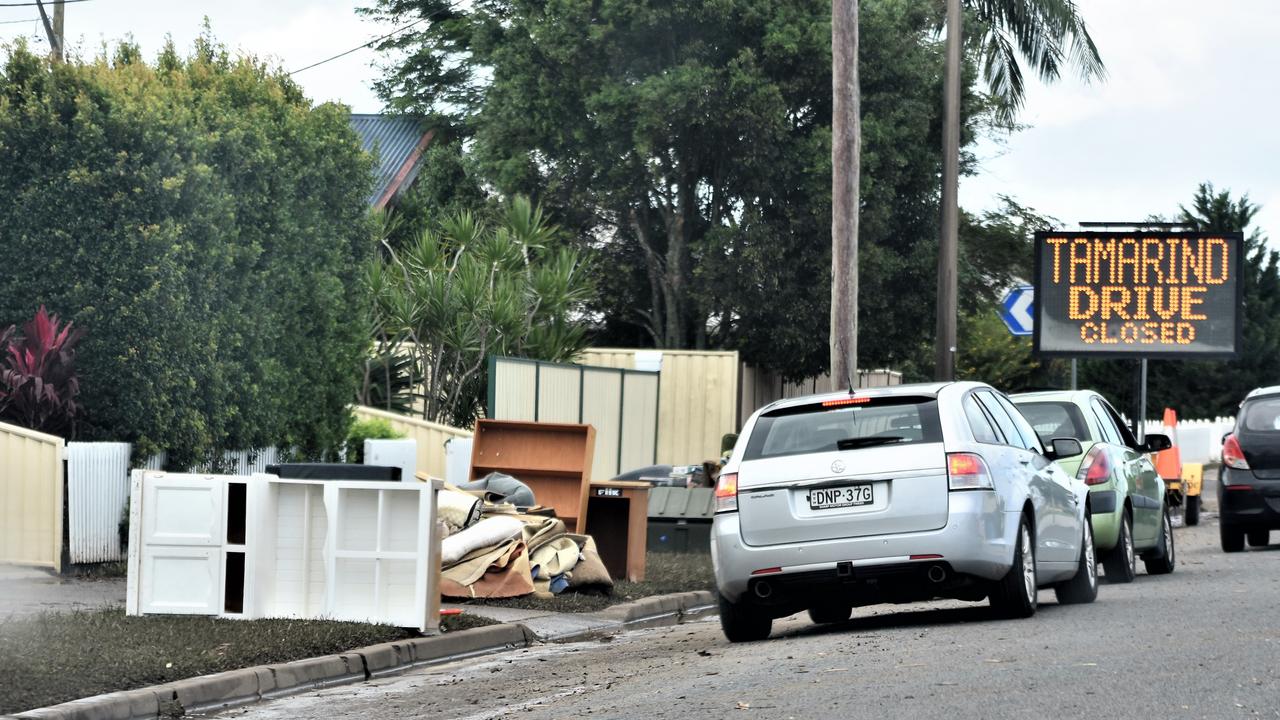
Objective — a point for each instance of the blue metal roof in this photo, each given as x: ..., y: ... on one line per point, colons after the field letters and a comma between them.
x: 391, y: 139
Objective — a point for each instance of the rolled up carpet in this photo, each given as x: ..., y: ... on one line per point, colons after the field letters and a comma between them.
x: 486, y: 533
x: 460, y: 510
x: 556, y: 557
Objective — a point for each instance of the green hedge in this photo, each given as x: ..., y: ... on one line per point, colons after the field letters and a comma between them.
x: 204, y: 223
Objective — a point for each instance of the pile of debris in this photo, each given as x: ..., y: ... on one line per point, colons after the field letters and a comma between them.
x: 498, y: 543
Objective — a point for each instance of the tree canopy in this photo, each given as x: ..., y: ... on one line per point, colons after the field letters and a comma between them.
x: 687, y: 146
x: 204, y: 223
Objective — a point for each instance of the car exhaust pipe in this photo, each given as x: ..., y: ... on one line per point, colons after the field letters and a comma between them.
x: 763, y: 590
x: 937, y: 573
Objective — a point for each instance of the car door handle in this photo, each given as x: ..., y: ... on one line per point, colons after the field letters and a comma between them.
x: 1025, y: 462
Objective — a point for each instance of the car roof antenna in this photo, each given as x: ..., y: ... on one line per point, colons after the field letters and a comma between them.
x: 848, y: 376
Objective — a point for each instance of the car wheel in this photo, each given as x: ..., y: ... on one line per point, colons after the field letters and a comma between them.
x: 1163, y: 559
x: 1232, y: 539
x: 827, y: 614
x: 743, y: 623
x: 1191, y: 511
x: 1014, y: 595
x: 1121, y: 563
x: 1083, y: 587
x: 1259, y: 538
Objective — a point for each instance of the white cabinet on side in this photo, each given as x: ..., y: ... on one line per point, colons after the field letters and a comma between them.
x: 260, y: 546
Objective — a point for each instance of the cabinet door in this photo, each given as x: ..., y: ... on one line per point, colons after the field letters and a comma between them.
x: 181, y: 544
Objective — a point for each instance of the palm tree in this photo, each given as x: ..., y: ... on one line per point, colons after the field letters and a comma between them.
x: 1048, y: 35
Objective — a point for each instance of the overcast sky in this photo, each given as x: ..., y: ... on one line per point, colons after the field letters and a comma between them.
x: 1192, y: 95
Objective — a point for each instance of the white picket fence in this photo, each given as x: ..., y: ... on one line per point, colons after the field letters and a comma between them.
x: 1199, y: 441
x: 98, y: 491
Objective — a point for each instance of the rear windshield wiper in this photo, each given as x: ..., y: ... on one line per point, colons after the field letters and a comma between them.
x: 862, y: 442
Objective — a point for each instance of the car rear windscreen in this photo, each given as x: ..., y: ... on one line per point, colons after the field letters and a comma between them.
x: 1262, y: 415
x: 871, y: 422
x: 1055, y: 420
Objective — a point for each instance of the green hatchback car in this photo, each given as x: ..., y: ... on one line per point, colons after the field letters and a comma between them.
x: 1126, y: 495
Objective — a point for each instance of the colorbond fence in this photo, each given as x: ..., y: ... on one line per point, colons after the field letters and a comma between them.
x: 30, y: 497
x: 697, y: 398
x: 430, y: 436
x: 621, y: 404
x: 761, y: 387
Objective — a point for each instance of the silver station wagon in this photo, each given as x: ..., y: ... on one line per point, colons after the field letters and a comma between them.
x: 897, y: 494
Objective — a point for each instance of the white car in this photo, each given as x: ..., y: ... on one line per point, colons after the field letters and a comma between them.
x: 895, y: 494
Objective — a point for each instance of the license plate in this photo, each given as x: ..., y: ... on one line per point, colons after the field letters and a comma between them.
x: 840, y: 497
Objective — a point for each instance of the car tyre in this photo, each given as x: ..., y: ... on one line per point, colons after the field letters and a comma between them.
x: 743, y: 623
x: 1162, y: 560
x: 1259, y: 538
x: 1232, y: 539
x: 828, y: 614
x: 1083, y: 586
x: 1014, y: 595
x: 1191, y: 511
x: 1121, y: 563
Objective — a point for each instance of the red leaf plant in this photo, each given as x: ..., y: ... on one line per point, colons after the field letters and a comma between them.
x: 38, y: 383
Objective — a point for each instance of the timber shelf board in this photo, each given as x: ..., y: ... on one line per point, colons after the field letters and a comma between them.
x: 515, y: 471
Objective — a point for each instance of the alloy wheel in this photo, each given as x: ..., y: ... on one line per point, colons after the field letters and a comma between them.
x: 1028, y: 566
x: 1089, y: 557
x: 1128, y: 552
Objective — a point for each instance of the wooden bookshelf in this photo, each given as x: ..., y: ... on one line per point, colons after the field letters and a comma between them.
x: 553, y: 459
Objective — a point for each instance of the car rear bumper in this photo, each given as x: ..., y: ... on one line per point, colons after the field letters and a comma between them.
x: 977, y: 541
x: 1246, y: 502
x: 1106, y: 510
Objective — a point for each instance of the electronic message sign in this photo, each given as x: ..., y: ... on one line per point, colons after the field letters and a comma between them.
x: 1137, y: 293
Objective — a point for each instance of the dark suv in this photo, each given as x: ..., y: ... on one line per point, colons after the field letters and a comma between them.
x: 1249, y: 483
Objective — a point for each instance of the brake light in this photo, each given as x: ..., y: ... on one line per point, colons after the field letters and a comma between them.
x: 1232, y: 455
x: 727, y: 492
x: 1096, y: 468
x: 846, y: 401
x: 968, y: 471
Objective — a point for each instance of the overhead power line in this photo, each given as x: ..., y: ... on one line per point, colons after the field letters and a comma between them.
x: 15, y: 22
x: 33, y: 4
x: 374, y: 41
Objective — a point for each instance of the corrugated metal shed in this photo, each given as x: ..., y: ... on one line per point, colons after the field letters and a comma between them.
x: 682, y: 503
x: 395, y: 140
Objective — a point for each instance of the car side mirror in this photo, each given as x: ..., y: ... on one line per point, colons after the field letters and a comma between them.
x: 1063, y: 448
x: 1156, y: 442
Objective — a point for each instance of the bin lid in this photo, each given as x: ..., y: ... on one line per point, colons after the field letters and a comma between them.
x: 682, y: 503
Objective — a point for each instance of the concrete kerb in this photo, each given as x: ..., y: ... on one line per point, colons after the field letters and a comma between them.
x: 266, y: 682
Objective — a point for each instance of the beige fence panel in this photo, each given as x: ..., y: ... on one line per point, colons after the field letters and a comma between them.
x: 761, y: 387
x: 600, y: 409
x: 521, y: 400
x: 640, y: 422
x: 621, y: 404
x: 559, y: 393
x: 30, y: 497
x: 697, y: 400
x: 430, y: 436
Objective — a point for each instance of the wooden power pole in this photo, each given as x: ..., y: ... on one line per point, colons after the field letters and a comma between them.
x: 945, y: 349
x: 846, y: 135
x: 54, y: 28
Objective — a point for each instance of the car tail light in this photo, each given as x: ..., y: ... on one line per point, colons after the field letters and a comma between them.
x: 1232, y: 455
x: 727, y: 492
x: 1096, y: 468
x: 967, y: 471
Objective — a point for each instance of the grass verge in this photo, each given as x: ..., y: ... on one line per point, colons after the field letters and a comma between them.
x: 664, y: 573
x: 56, y: 657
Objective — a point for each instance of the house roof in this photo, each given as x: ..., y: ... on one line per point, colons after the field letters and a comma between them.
x: 397, y: 141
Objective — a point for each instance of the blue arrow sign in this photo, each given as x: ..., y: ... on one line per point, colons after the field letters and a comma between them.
x: 1016, y: 310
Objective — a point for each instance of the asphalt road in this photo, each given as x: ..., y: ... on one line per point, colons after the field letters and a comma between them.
x: 1203, y: 642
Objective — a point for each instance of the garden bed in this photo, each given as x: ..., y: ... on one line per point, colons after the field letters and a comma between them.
x: 56, y: 657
